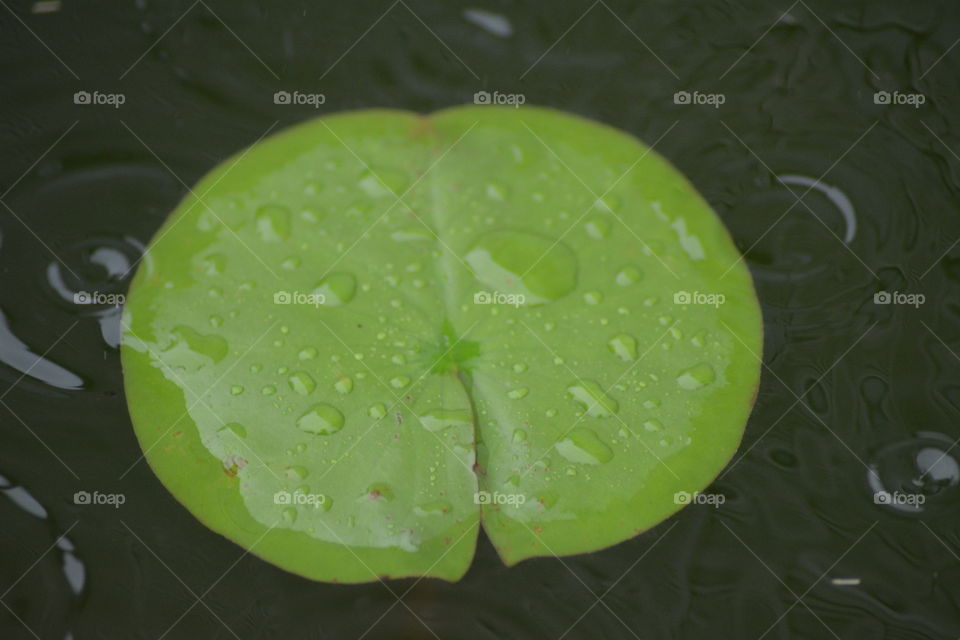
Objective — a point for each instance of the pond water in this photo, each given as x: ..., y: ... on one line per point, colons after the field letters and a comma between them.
x: 824, y: 134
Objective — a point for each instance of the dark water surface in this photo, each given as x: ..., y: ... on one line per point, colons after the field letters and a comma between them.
x: 858, y: 397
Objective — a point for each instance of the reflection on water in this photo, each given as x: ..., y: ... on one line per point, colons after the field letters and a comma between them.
x: 16, y: 354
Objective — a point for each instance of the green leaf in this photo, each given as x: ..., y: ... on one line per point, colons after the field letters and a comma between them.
x: 356, y: 342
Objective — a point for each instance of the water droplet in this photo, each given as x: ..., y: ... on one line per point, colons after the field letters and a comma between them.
x: 215, y: 321
x: 302, y: 382
x: 521, y: 263
x: 377, y: 410
x: 337, y: 289
x: 519, y: 435
x: 291, y: 263
x: 688, y: 242
x: 273, y: 223
x: 321, y: 419
x: 628, y: 275
x: 236, y: 389
x: 380, y: 182
x: 326, y: 502
x: 517, y: 394
x: 583, y: 446
x: 496, y: 192
x: 597, y: 227
x: 268, y: 390
x: 593, y: 399
x: 624, y: 347
x: 289, y: 515
x: 308, y: 353
x: 593, y: 297
x: 653, y: 425
x: 344, y: 385
x: 214, y: 264
x: 399, y: 382
x: 609, y: 203
x: 696, y: 376
x: 297, y: 472
x: 519, y: 367
x: 440, y: 419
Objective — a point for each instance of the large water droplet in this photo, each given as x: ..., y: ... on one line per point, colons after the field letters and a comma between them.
x: 302, y: 382
x: 624, y: 347
x: 583, y: 446
x: 321, y: 419
x: 337, y: 289
x: 540, y: 269
x: 593, y: 399
x: 696, y: 376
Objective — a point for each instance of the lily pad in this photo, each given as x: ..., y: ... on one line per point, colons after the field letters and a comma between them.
x: 356, y: 343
